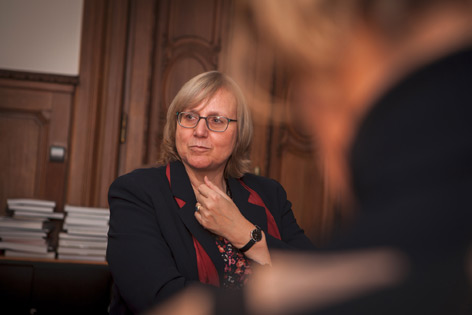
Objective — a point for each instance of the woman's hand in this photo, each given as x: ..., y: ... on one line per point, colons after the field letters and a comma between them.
x: 218, y: 214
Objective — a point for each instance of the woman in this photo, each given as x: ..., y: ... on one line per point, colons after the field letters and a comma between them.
x: 201, y: 216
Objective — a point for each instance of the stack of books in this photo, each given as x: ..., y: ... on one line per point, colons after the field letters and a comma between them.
x: 27, y: 229
x: 84, y: 235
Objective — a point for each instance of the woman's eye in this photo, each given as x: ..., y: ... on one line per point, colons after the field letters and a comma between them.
x: 217, y: 120
x: 190, y: 117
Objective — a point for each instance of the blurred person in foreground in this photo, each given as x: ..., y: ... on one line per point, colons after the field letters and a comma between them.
x: 201, y: 217
x: 385, y: 87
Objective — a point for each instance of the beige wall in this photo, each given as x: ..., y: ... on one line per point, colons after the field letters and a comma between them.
x: 40, y: 35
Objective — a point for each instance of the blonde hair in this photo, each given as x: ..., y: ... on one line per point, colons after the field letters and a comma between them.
x: 202, y: 88
x: 314, y: 31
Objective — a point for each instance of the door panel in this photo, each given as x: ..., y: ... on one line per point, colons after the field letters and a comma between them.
x: 33, y: 118
x: 185, y: 41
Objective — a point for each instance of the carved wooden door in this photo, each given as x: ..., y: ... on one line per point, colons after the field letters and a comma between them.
x: 170, y: 42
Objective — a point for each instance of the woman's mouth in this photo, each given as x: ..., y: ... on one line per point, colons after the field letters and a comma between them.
x: 199, y: 148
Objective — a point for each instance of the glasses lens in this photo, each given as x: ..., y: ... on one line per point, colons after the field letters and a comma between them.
x: 188, y: 120
x: 217, y: 123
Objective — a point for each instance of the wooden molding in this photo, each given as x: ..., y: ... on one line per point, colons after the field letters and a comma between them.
x: 39, y: 77
x: 80, y: 184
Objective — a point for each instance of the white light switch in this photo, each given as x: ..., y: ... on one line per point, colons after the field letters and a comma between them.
x: 57, y: 153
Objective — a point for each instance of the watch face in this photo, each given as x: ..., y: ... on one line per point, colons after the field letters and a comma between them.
x: 256, y: 234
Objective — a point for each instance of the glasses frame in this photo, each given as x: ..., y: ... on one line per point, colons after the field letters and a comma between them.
x: 206, y: 121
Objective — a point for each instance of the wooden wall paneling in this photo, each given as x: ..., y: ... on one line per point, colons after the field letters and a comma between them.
x: 304, y: 185
x: 59, y: 131
x: 262, y: 115
x: 245, y: 60
x: 137, y: 84
x: 39, y: 77
x: 98, y: 103
x: 23, y: 138
x: 33, y: 117
x: 158, y: 109
x: 261, y: 107
x: 111, y: 101
x: 295, y: 163
x: 80, y: 183
x: 188, y: 42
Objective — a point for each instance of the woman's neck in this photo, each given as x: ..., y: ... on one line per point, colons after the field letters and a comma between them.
x: 197, y: 177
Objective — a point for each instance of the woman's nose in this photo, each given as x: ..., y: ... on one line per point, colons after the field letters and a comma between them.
x: 201, y: 128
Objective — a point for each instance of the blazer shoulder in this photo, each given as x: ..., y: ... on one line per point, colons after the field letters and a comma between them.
x: 261, y: 183
x: 140, y: 177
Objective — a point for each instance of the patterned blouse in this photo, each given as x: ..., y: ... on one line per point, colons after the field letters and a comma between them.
x: 237, y: 266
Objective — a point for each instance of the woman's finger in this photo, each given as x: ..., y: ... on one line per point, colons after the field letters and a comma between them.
x: 207, y: 193
x: 203, y: 190
x: 210, y: 184
x: 198, y: 216
x: 215, y: 188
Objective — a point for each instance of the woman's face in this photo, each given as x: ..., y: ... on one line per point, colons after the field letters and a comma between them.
x: 202, y: 149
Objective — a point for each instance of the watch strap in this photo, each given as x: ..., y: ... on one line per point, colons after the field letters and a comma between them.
x: 252, y: 241
x: 246, y: 247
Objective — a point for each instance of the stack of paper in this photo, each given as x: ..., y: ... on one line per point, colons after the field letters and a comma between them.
x: 24, y: 231
x: 85, y: 233
x: 33, y: 208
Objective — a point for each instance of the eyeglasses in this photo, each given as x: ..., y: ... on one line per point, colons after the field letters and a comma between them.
x: 214, y: 123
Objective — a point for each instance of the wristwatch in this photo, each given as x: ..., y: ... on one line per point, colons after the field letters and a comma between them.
x: 256, y: 236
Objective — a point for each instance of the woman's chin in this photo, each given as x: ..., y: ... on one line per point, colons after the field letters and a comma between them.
x: 203, y: 163
x: 200, y: 165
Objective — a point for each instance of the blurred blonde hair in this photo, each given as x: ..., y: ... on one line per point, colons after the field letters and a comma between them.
x: 314, y: 31
x: 312, y: 44
x: 202, y: 88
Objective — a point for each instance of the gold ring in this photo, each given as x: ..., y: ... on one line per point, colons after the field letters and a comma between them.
x: 197, y: 207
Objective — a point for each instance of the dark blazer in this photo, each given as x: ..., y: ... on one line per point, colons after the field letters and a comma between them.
x: 150, y: 251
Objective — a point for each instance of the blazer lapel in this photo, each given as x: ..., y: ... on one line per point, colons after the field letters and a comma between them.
x: 182, y: 189
x: 254, y: 213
